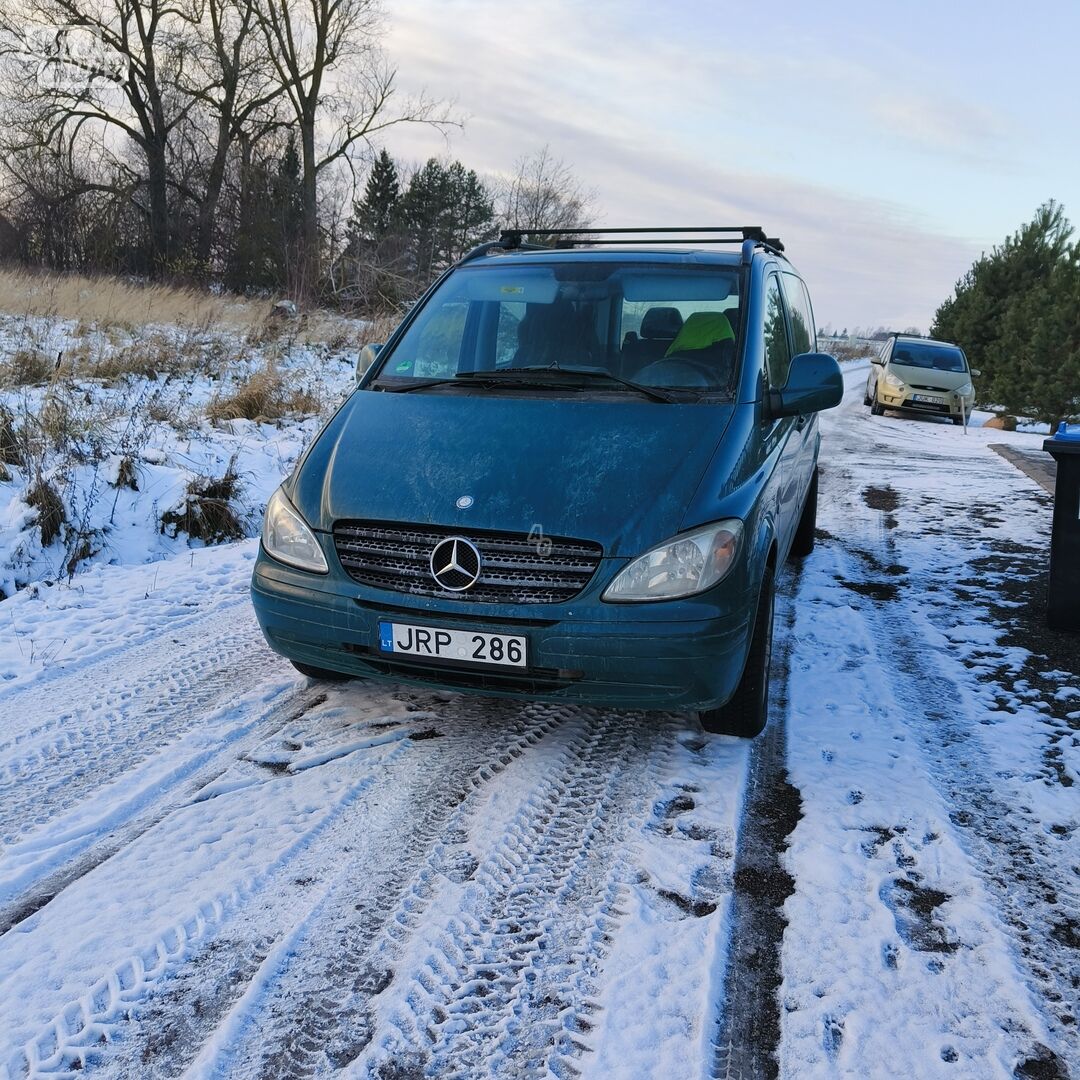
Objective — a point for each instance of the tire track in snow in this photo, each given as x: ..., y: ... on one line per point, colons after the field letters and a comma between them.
x: 113, y: 714
x: 748, y: 1021
x: 505, y: 987
x: 121, y: 834
x: 81, y: 1030
x: 309, y: 1015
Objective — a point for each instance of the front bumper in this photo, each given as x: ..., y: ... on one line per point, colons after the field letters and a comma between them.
x: 651, y: 656
x: 944, y: 403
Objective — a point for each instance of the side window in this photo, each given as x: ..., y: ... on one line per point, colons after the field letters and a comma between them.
x: 777, y: 352
x: 802, y: 321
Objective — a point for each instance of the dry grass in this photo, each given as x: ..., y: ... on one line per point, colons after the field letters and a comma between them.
x: 151, y: 356
x: 379, y: 328
x: 266, y: 395
x: 26, y: 367
x: 116, y: 305
x: 110, y: 301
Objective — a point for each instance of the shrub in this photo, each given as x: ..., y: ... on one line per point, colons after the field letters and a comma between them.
x: 10, y: 451
x: 207, y: 512
x: 50, y: 507
x: 125, y: 474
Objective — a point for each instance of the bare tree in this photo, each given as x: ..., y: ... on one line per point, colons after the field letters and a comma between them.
x: 544, y: 193
x: 328, y: 58
x: 101, y: 73
x: 233, y: 80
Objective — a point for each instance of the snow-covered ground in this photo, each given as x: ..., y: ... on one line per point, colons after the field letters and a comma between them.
x: 120, y: 448
x: 212, y: 867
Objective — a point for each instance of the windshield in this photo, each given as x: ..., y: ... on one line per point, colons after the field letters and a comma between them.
x: 929, y: 355
x: 657, y: 325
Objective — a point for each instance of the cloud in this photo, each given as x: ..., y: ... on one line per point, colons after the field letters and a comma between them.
x: 941, y: 125
x: 652, y: 124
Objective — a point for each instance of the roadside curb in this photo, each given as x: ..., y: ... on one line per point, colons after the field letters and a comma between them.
x: 1030, y: 463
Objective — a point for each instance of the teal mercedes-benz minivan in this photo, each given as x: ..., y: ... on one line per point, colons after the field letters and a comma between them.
x: 571, y: 473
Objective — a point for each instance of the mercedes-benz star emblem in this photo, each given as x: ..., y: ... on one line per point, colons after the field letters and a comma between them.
x: 455, y: 564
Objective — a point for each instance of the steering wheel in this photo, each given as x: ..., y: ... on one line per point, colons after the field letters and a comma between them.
x: 679, y: 371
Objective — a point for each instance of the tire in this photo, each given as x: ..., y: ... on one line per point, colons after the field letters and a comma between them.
x: 958, y: 421
x: 803, y: 542
x: 876, y: 409
x: 323, y: 674
x: 746, y: 714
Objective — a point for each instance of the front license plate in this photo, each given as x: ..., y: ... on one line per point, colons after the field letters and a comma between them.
x: 928, y: 400
x: 438, y: 643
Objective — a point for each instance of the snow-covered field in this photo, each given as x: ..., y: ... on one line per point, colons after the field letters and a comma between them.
x: 211, y: 867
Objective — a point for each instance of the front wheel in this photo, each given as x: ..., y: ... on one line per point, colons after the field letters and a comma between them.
x: 746, y: 714
x: 958, y: 421
x: 876, y: 409
x: 323, y: 674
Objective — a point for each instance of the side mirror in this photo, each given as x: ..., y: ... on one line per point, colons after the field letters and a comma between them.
x: 814, y: 383
x: 367, y: 357
x: 877, y: 360
x: 976, y: 372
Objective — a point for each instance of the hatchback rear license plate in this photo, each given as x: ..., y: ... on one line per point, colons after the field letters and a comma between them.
x: 438, y: 643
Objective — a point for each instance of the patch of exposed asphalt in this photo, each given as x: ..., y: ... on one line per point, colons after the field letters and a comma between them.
x: 875, y: 590
x: 748, y: 1030
x: 881, y: 498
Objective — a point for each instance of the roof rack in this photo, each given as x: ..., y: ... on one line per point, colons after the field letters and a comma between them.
x: 510, y: 239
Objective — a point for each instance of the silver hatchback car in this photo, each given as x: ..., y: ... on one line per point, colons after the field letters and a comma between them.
x: 921, y: 375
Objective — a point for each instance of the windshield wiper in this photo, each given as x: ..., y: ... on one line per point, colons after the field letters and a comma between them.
x: 422, y: 385
x: 591, y: 373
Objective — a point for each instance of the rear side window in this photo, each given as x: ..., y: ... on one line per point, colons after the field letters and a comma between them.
x: 803, y: 332
x: 777, y: 352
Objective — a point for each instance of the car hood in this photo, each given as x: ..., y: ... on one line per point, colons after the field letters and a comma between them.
x: 941, y: 380
x: 620, y: 472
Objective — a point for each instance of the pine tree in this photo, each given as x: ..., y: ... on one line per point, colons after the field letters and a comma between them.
x: 446, y: 210
x: 974, y: 317
x: 376, y: 215
x: 1037, y: 355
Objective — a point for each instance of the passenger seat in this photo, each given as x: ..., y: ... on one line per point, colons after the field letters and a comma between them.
x: 659, y: 328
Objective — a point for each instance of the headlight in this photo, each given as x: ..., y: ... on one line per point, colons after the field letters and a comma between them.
x: 287, y: 537
x: 966, y: 390
x: 684, y: 565
x: 893, y: 381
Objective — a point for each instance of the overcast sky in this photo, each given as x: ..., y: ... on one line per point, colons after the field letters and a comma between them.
x: 887, y: 144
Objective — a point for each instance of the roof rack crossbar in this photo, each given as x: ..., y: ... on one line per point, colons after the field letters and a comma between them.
x: 738, y: 234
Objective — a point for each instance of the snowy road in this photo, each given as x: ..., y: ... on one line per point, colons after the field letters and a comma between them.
x: 211, y: 867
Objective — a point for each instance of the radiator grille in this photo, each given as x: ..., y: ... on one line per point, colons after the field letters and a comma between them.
x: 515, y: 568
